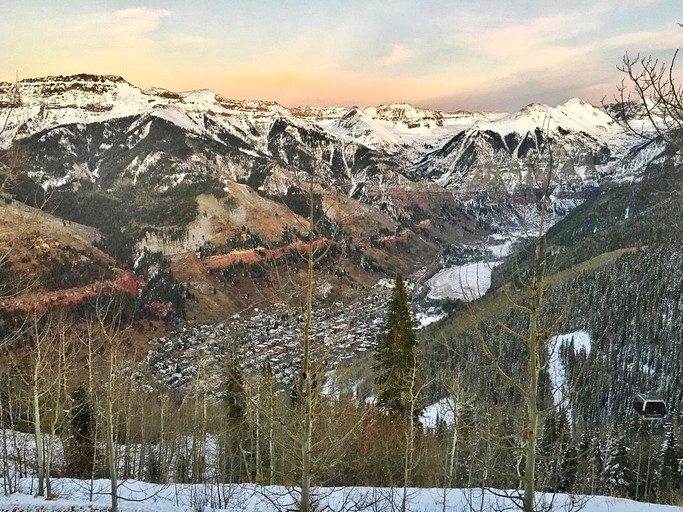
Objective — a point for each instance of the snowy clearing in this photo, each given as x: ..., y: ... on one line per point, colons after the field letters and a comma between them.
x: 465, y: 282
x: 72, y: 496
x: 429, y: 317
x: 472, y: 280
x: 442, y: 410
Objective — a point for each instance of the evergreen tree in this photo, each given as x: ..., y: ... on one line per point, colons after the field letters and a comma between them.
x: 80, y: 446
x: 668, y: 475
x: 235, y: 431
x: 589, y: 462
x: 557, y: 455
x: 618, y: 473
x: 235, y: 395
x: 398, y: 369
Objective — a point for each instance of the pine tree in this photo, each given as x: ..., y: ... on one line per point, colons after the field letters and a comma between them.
x: 80, y: 446
x: 589, y: 461
x: 397, y: 359
x: 668, y: 475
x: 557, y: 455
x: 618, y: 472
x: 235, y: 395
x: 235, y: 432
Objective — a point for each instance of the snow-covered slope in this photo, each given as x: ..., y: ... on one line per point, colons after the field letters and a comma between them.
x: 396, y: 158
x: 575, y: 116
x: 398, y: 129
x: 505, y: 153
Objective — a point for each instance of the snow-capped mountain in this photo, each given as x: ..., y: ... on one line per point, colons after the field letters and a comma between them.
x: 455, y: 150
x: 409, y: 165
x: 508, y: 152
x: 399, y: 129
x: 255, y: 129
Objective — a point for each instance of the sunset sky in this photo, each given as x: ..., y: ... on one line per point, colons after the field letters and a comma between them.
x: 449, y: 55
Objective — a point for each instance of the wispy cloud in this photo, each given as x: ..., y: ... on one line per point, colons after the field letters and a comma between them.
x: 399, y: 53
x: 138, y: 20
x: 649, y: 41
x: 534, y: 43
x: 135, y: 25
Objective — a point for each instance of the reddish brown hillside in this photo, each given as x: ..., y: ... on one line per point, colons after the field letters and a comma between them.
x: 250, y: 256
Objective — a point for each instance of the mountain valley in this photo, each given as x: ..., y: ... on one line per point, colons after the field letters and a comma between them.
x: 209, y: 242
x: 223, y: 189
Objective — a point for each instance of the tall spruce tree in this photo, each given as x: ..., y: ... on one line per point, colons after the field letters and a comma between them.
x: 397, y: 358
x: 618, y: 468
x: 669, y: 478
x: 235, y: 432
x: 80, y: 445
x: 557, y: 461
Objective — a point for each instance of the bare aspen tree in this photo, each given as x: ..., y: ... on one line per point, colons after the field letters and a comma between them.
x: 534, y: 338
x: 40, y: 355
x: 58, y: 395
x: 455, y: 403
x: 110, y: 323
x: 199, y: 396
x: 414, y: 390
x: 306, y: 367
x: 110, y: 424
x: 650, y: 90
x: 42, y: 363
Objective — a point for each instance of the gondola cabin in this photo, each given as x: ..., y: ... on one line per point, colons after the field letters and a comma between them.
x: 649, y: 406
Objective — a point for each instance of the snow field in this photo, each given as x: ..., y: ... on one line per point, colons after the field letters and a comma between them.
x: 73, y: 496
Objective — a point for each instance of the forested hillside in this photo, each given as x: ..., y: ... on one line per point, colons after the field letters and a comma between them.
x: 612, y: 270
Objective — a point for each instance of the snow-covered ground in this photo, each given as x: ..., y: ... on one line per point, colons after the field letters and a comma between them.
x: 467, y: 282
x: 443, y: 410
x: 72, y: 496
x: 430, y: 316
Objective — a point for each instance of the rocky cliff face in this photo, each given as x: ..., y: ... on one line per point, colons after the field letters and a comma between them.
x: 385, y: 146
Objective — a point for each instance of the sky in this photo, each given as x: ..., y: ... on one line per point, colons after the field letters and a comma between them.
x: 493, y: 55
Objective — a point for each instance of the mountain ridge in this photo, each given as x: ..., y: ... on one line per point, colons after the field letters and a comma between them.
x: 393, y: 184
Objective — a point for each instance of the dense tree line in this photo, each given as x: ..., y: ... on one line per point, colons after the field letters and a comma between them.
x: 631, y: 308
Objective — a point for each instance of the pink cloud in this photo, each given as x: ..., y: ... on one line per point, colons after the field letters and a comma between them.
x: 398, y: 54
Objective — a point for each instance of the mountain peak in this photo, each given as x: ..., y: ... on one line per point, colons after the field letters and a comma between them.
x: 575, y: 101
x: 533, y: 108
x: 81, y: 77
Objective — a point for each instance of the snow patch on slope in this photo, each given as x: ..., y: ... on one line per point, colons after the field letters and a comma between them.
x: 464, y: 282
x: 556, y: 369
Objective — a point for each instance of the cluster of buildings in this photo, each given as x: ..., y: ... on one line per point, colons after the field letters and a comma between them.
x: 272, y: 338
